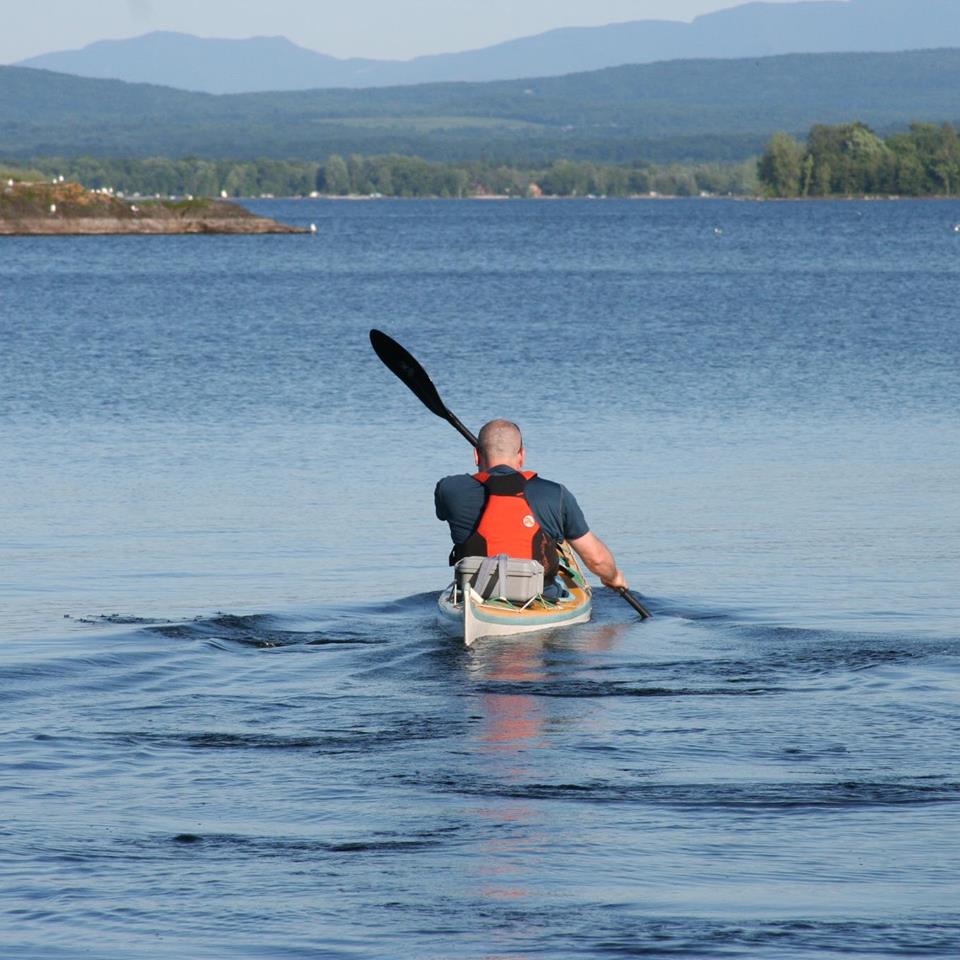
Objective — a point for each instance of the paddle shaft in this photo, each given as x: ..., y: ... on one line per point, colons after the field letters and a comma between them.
x: 645, y: 614
x: 450, y: 418
x: 399, y: 361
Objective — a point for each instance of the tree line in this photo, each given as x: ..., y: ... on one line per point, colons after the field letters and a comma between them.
x: 851, y: 160
x: 396, y: 176
x: 841, y: 160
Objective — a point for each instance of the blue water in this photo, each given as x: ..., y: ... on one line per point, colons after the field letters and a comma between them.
x: 230, y: 724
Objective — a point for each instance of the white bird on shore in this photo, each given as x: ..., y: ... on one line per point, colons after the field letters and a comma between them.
x: 53, y: 208
x: 313, y: 228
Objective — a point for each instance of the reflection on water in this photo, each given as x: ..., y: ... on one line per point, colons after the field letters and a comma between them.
x: 513, y: 726
x: 516, y: 726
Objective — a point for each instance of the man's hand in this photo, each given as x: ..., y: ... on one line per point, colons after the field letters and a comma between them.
x: 616, y: 582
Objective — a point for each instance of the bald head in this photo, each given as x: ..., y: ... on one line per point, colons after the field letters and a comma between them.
x: 500, y: 442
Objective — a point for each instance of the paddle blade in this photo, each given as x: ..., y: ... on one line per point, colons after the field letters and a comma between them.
x: 405, y: 366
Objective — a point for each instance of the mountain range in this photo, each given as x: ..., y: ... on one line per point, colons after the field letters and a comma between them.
x: 749, y: 30
x: 679, y: 110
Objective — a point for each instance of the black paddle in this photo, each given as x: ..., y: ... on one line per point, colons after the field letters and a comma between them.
x: 404, y: 365
x: 645, y: 614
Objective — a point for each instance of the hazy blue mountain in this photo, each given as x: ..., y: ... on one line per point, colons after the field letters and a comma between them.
x: 197, y: 64
x: 749, y: 30
x: 693, y: 109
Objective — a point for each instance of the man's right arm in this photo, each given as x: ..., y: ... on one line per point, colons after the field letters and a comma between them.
x: 599, y: 560
x: 458, y: 499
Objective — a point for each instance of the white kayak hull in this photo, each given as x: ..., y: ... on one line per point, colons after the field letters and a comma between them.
x: 472, y: 618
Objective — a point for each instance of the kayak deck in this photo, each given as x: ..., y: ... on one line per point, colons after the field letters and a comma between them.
x: 471, y: 617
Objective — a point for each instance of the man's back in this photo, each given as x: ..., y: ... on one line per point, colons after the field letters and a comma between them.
x: 460, y: 500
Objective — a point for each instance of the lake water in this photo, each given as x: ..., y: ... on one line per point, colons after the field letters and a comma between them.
x: 231, y: 726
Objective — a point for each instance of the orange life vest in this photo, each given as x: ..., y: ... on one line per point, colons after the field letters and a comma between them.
x: 508, y: 524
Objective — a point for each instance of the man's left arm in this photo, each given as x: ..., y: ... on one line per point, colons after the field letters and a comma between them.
x: 590, y: 548
x: 599, y: 560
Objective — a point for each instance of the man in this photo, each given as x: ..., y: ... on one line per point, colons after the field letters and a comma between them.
x: 502, y: 509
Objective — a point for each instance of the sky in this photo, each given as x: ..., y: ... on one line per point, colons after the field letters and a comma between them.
x: 380, y: 29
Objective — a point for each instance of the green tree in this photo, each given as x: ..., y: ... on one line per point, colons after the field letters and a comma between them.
x: 940, y: 149
x: 822, y: 178
x: 378, y: 173
x: 847, y: 158
x: 563, y: 179
x: 334, y: 177
x: 781, y: 167
x: 357, y: 174
x: 640, y: 181
x: 201, y: 178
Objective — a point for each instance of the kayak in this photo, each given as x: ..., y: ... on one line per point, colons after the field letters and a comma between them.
x: 465, y: 613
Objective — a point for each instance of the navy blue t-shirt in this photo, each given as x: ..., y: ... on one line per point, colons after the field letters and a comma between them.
x: 459, y: 500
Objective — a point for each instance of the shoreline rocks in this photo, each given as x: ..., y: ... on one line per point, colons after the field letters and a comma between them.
x: 103, y: 226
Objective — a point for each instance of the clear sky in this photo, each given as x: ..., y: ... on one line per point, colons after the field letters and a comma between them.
x: 383, y: 29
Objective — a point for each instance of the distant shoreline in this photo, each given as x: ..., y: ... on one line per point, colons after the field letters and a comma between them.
x: 57, y: 208
x: 359, y: 198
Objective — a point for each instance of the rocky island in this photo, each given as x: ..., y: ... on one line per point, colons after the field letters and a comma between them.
x: 46, y: 209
